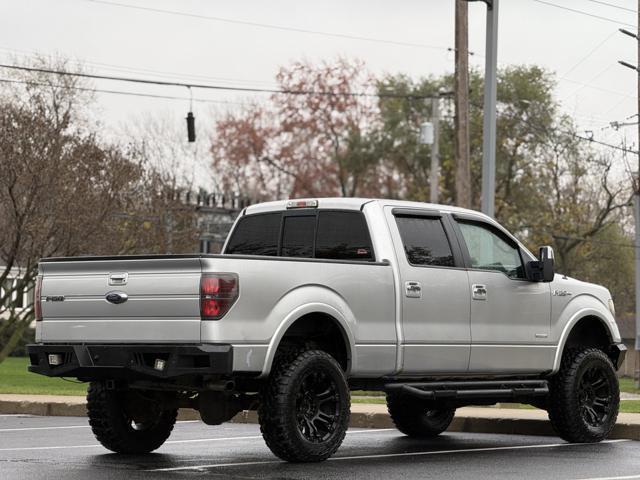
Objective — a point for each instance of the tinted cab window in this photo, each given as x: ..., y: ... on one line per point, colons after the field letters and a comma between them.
x: 256, y: 235
x: 326, y: 234
x: 297, y: 236
x: 425, y: 241
x: 343, y: 236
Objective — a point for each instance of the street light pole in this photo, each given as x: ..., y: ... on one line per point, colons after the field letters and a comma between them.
x: 490, y: 100
x: 636, y: 196
x: 489, y: 126
x: 434, y: 177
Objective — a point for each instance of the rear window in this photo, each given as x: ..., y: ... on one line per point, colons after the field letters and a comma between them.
x: 326, y: 234
x: 256, y: 235
x: 343, y: 236
x: 297, y: 236
x: 425, y: 242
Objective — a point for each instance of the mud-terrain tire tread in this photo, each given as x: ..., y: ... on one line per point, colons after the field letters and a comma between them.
x: 407, y: 414
x: 563, y: 406
x: 110, y: 427
x: 273, y: 412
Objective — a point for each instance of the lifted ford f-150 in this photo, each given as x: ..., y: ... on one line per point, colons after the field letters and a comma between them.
x: 437, y: 306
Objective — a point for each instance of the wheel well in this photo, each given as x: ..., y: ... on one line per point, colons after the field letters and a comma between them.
x: 589, y: 332
x: 321, y: 331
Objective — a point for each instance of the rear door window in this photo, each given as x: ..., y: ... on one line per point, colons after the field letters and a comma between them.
x: 425, y: 241
x: 297, y: 236
x: 343, y: 236
x: 256, y: 235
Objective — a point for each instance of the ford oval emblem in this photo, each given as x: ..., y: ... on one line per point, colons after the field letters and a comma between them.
x: 116, y: 297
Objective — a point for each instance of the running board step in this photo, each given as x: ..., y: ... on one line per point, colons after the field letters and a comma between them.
x: 472, y: 390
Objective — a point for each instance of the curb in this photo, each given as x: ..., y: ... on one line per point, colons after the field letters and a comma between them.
x: 461, y: 423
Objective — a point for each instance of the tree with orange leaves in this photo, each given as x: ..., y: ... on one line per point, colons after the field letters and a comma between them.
x: 317, y: 139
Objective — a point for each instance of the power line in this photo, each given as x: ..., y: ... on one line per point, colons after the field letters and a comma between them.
x: 212, y: 87
x: 588, y: 85
x: 581, y: 12
x: 612, y: 5
x: 120, y: 92
x: 604, y: 144
x: 137, y: 70
x: 271, y: 26
x: 257, y: 90
x: 591, y: 52
x: 570, y: 133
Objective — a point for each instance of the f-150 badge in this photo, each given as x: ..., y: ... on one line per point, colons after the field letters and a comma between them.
x: 561, y: 293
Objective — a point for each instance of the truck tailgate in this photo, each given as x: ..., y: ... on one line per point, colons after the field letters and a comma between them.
x: 162, y: 300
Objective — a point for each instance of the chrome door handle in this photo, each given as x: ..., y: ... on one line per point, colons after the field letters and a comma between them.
x: 479, y: 292
x: 413, y: 289
x: 119, y: 278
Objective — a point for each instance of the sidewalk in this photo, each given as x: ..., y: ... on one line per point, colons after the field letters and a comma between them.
x: 363, y: 415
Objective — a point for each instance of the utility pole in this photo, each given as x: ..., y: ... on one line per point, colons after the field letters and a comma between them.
x: 434, y: 176
x: 636, y: 196
x: 461, y: 87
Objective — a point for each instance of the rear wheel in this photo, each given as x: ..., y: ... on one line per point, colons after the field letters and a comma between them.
x: 123, y: 429
x: 415, y: 418
x: 584, y: 396
x: 304, y: 408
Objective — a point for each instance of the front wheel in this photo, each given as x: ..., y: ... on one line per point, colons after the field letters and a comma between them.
x: 304, y: 408
x: 123, y: 429
x: 415, y: 418
x: 584, y: 396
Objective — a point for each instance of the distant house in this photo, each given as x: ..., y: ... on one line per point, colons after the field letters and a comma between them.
x: 627, y: 326
x: 18, y: 299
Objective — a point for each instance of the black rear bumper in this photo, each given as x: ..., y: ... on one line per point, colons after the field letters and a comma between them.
x: 97, y: 362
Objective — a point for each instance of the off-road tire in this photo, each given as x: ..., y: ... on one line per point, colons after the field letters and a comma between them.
x: 584, y: 396
x: 287, y: 399
x: 115, y: 431
x: 415, y: 418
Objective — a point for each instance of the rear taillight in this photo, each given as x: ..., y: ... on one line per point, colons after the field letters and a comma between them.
x: 218, y: 292
x: 37, y: 296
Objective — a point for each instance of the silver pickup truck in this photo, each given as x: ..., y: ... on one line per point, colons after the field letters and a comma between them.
x: 437, y: 306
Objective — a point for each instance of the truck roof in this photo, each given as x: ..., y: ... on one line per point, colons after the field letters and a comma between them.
x: 356, y: 203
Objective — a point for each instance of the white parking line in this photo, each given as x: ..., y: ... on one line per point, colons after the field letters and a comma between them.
x: 387, y: 455
x: 626, y: 477
x: 170, y: 442
x: 173, y: 442
x: 24, y: 429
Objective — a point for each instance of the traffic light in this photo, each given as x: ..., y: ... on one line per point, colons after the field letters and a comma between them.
x: 191, y: 127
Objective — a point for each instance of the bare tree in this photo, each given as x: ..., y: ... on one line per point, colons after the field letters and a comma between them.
x: 64, y: 192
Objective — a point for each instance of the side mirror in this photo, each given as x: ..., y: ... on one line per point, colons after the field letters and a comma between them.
x: 543, y: 269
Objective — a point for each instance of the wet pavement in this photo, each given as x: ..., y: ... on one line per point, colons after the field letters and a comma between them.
x: 34, y: 447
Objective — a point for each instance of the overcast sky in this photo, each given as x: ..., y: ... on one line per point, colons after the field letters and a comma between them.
x: 113, y: 39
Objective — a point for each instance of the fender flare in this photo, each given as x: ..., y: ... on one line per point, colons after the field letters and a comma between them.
x: 300, y: 312
x: 573, y: 321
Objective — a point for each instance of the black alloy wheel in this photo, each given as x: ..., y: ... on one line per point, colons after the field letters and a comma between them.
x: 584, y: 396
x: 595, y: 396
x: 317, y: 406
x: 304, y: 407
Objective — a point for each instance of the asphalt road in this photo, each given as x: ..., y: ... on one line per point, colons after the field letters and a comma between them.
x: 63, y: 447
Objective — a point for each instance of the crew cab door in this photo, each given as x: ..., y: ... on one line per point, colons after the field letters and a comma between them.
x: 435, y: 295
x: 510, y: 316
